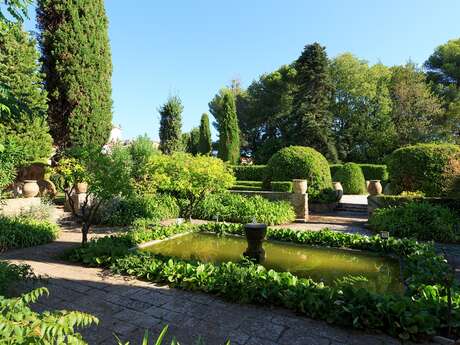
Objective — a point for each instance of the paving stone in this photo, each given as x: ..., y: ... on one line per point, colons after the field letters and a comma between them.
x: 297, y: 337
x: 136, y: 318
x: 260, y: 341
x: 128, y: 303
x: 152, y: 297
x: 261, y: 329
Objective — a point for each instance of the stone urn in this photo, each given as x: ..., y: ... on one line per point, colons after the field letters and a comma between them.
x: 338, y: 190
x: 374, y: 188
x: 299, y: 186
x: 255, y: 235
x: 81, y: 187
x: 367, y: 184
x: 30, y: 189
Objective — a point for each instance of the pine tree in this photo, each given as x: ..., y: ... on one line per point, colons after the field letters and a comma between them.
x: 205, y: 142
x: 223, y: 108
x: 78, y: 66
x: 23, y: 115
x: 170, y: 126
x: 311, y: 124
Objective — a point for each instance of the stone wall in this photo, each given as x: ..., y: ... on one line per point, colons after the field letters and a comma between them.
x: 13, y: 207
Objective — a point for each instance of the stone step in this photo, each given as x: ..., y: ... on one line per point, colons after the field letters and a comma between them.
x: 356, y: 208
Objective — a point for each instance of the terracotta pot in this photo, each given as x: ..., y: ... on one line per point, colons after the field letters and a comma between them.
x: 81, y: 187
x: 338, y: 190
x: 30, y: 189
x: 374, y: 188
x: 299, y: 186
x: 367, y: 184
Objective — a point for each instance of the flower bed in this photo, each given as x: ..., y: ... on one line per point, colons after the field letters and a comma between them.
x: 422, y: 311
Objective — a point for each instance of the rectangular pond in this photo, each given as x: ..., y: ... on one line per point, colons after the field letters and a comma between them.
x: 319, y: 263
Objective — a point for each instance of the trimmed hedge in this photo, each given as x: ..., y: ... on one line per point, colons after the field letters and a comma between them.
x: 421, y: 312
x: 398, y: 200
x: 370, y: 171
x: 249, y: 172
x: 419, y: 220
x: 352, y: 179
x: 237, y: 208
x: 281, y: 186
x: 19, y: 232
x: 247, y: 185
x: 428, y: 168
x: 299, y: 162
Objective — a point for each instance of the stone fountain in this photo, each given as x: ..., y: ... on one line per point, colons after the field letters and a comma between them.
x: 255, y: 235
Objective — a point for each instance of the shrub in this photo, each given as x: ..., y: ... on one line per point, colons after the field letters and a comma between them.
x: 21, y: 232
x: 21, y: 325
x: 155, y: 207
x: 374, y: 172
x: 10, y: 159
x: 247, y: 185
x: 240, y: 209
x: 352, y: 179
x: 419, y: 220
x: 249, y: 172
x: 423, y: 167
x: 281, y: 186
x: 298, y: 162
x: 10, y: 273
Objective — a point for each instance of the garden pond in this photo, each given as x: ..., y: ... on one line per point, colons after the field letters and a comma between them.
x: 318, y: 263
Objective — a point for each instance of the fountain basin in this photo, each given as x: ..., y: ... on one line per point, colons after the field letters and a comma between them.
x: 321, y: 264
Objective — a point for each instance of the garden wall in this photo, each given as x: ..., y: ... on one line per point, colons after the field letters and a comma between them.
x: 13, y: 207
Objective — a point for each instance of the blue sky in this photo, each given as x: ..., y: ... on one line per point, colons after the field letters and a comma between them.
x: 193, y: 48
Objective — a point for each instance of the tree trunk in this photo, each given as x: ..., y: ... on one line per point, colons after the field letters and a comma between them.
x: 84, y: 232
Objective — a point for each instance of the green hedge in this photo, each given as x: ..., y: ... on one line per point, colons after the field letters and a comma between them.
x: 352, y: 179
x: 422, y: 311
x: 428, y: 168
x: 156, y: 207
x: 281, y: 186
x: 247, y: 185
x: 19, y: 232
x: 370, y: 171
x: 419, y: 220
x: 249, y: 172
x: 299, y: 162
x: 237, y: 208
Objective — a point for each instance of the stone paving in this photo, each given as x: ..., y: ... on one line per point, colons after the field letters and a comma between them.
x: 127, y: 307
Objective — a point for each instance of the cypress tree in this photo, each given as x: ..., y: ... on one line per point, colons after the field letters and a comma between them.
x: 205, y: 142
x: 170, y: 126
x: 312, y: 120
x: 23, y: 115
x: 223, y: 107
x: 78, y: 66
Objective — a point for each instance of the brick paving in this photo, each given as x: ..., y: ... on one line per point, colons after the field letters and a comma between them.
x: 127, y: 307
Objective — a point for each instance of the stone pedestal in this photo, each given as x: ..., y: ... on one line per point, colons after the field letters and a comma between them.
x: 78, y: 200
x: 255, y: 235
x: 300, y: 204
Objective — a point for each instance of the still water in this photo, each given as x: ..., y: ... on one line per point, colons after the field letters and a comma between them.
x: 318, y: 263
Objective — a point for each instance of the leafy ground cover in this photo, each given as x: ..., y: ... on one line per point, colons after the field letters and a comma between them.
x: 422, y: 311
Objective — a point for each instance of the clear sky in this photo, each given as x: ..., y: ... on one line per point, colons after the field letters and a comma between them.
x: 193, y: 48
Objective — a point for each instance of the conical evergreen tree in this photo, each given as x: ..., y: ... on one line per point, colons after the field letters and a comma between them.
x: 312, y: 120
x: 223, y: 108
x: 170, y: 126
x: 205, y: 143
x: 23, y: 115
x: 78, y: 66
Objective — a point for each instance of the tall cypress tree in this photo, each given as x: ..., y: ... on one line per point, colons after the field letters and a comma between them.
x: 205, y: 142
x: 78, y: 66
x: 311, y: 124
x: 23, y: 115
x: 223, y: 108
x: 170, y: 126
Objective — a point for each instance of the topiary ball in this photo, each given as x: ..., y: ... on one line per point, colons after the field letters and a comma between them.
x: 428, y: 168
x: 300, y: 162
x: 352, y: 179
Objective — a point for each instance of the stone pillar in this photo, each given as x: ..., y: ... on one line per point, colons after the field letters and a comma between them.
x: 78, y: 200
x: 299, y: 200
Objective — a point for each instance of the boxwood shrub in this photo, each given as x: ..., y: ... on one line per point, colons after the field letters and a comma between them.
x: 299, y: 162
x: 20, y: 232
x: 422, y: 311
x: 249, y: 172
x: 281, y: 186
x: 237, y: 208
x: 419, y: 220
x: 351, y: 177
x: 247, y: 185
x: 428, y: 168
x: 370, y: 171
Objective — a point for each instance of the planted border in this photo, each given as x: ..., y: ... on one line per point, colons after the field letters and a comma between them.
x: 421, y: 312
